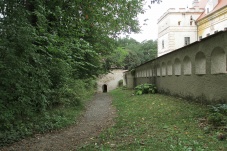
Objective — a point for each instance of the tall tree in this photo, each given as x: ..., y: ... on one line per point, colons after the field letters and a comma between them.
x: 45, y: 46
x: 133, y: 52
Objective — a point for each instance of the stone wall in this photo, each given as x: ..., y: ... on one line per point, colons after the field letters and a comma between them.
x: 110, y: 80
x: 198, y: 70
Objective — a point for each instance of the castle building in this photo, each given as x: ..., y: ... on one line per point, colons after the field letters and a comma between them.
x: 183, y: 26
x: 213, y: 19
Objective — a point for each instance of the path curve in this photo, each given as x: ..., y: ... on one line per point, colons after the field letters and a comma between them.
x: 99, y: 115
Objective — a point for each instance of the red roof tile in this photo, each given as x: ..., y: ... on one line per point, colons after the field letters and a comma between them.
x: 202, y: 4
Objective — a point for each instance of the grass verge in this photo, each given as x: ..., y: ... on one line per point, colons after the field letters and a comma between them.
x: 157, y: 122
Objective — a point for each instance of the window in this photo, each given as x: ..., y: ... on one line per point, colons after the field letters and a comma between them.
x: 163, y: 46
x: 186, y: 41
x: 191, y: 23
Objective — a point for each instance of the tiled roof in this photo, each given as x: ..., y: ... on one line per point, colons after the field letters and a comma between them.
x: 202, y: 4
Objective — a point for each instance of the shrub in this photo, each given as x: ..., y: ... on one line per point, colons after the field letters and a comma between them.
x: 219, y: 108
x: 217, y: 114
x: 145, y: 89
x: 215, y: 119
x: 120, y: 83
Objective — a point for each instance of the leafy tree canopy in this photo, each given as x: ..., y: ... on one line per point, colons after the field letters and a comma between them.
x: 130, y: 53
x: 51, y: 49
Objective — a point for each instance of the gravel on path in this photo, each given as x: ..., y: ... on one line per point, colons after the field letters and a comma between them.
x: 98, y: 116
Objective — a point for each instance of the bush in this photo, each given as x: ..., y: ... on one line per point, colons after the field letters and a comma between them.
x: 120, y: 83
x: 145, y: 89
x: 65, y: 104
x: 219, y: 108
x: 215, y: 119
x: 217, y: 114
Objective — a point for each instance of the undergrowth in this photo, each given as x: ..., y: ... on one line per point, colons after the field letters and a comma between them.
x: 62, y: 114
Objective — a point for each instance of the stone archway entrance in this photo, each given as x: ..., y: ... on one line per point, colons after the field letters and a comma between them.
x: 104, y: 88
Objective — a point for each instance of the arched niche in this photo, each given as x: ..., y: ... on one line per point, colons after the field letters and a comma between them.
x: 187, y: 66
x: 169, y: 68
x: 158, y: 70
x: 218, y: 61
x: 151, y: 74
x: 177, y: 67
x: 163, y: 69
x: 200, y: 63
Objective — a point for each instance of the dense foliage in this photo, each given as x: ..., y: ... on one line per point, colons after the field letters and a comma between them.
x: 145, y: 89
x: 218, y: 115
x: 131, y: 53
x: 51, y: 51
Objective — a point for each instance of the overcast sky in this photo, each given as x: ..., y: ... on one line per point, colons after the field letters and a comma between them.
x: 150, y: 31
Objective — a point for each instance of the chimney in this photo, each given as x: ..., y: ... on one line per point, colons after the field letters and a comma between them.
x: 195, y: 3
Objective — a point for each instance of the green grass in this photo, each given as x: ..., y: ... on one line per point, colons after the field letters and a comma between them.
x: 157, y: 122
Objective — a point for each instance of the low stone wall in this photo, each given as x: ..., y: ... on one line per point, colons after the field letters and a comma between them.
x: 198, y: 70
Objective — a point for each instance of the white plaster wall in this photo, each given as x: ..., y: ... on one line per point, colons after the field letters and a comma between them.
x: 111, y: 80
x: 220, y: 25
x: 164, y: 23
x: 172, y: 33
x: 179, y: 38
x: 162, y: 51
x: 177, y: 41
x: 211, y: 5
x: 184, y: 18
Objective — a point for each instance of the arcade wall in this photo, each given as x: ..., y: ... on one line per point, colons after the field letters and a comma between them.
x: 196, y: 71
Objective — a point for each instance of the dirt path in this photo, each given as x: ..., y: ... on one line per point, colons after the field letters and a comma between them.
x: 98, y: 116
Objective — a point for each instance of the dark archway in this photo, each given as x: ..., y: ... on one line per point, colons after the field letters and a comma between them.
x: 104, y: 88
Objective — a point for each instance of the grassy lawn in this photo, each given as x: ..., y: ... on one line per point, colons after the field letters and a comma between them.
x: 157, y: 122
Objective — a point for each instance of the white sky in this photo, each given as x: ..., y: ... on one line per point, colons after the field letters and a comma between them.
x: 150, y: 31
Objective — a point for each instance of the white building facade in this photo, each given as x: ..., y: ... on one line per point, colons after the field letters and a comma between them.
x: 177, y: 28
x: 180, y: 27
x: 214, y: 18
